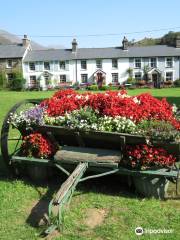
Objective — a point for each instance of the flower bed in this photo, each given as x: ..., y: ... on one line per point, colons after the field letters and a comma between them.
x: 110, y: 112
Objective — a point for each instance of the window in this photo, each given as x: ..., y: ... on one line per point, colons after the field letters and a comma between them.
x: 137, y: 62
x: 114, y: 63
x: 169, y: 76
x: 62, y: 78
x: 10, y: 76
x: 84, y: 78
x: 46, y: 66
x: 138, y: 75
x: 9, y: 63
x: 169, y: 62
x: 32, y: 80
x: 115, y: 77
x: 62, y: 65
x: 83, y: 64
x: 153, y: 62
x: 32, y: 66
x: 99, y: 63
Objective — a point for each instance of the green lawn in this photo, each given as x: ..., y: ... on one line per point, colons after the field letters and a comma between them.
x: 107, y: 201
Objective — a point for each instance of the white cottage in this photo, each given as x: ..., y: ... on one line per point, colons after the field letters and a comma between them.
x: 55, y: 67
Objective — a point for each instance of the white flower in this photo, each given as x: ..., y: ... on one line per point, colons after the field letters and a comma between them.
x: 174, y: 108
x: 78, y: 97
x: 136, y: 100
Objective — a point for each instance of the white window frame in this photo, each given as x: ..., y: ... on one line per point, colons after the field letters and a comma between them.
x: 140, y: 63
x: 172, y: 75
x: 115, y: 59
x: 113, y: 75
x: 85, y: 61
x: 166, y: 62
x: 34, y: 69
x: 33, y: 85
x: 9, y: 65
x: 62, y: 63
x: 99, y: 64
x: 82, y: 75
x: 61, y: 79
x: 151, y: 62
x: 47, y: 69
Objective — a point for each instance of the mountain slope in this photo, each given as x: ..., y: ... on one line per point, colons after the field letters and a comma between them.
x: 9, y: 38
x: 167, y: 39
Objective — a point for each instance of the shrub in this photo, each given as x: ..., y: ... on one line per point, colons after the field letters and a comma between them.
x: 2, y: 79
x: 177, y: 83
x: 17, y: 84
x: 93, y: 88
x: 104, y: 88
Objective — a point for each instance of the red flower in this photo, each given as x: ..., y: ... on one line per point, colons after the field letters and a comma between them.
x: 38, y: 146
x: 142, y: 155
x: 142, y: 107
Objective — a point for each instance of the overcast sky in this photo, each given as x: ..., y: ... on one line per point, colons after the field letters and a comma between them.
x: 84, y: 17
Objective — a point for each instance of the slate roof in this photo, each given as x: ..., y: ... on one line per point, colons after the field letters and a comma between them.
x: 12, y: 51
x: 94, y: 53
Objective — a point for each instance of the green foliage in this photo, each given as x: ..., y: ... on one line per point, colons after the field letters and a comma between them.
x: 169, y: 38
x: 129, y: 71
x: 131, y: 80
x: 158, y: 130
x: 76, y: 86
x: 177, y: 83
x: 17, y: 83
x: 104, y: 88
x: 2, y: 79
x: 93, y: 88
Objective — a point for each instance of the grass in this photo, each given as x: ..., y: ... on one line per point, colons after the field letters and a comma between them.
x: 124, y: 210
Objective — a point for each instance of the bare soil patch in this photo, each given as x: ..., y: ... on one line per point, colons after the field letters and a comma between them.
x: 95, y: 217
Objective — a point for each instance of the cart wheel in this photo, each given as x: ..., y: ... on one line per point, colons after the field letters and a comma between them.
x: 11, y: 138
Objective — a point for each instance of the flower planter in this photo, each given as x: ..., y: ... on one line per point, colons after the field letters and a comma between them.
x: 150, y: 186
x: 110, y: 140
x: 39, y: 173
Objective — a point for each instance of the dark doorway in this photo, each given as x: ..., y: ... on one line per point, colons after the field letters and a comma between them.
x: 155, y: 79
x: 99, y: 79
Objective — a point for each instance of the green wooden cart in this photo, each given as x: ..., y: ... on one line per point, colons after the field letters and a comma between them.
x: 100, y: 152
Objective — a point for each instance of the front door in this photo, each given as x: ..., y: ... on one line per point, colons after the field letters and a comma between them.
x: 99, y: 79
x: 155, y: 80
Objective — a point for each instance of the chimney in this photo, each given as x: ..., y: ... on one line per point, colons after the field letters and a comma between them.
x: 25, y: 41
x: 177, y: 43
x: 74, y: 45
x: 125, y: 43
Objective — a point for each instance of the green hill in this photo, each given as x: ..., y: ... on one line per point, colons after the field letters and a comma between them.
x: 167, y: 39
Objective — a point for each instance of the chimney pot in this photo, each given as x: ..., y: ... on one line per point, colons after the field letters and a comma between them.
x: 125, y: 43
x: 74, y: 45
x: 25, y: 41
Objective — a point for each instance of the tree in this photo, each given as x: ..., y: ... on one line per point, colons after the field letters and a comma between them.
x: 129, y: 71
x: 2, y: 79
x: 17, y: 83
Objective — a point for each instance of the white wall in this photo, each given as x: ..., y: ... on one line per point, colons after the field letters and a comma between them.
x: 123, y: 65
